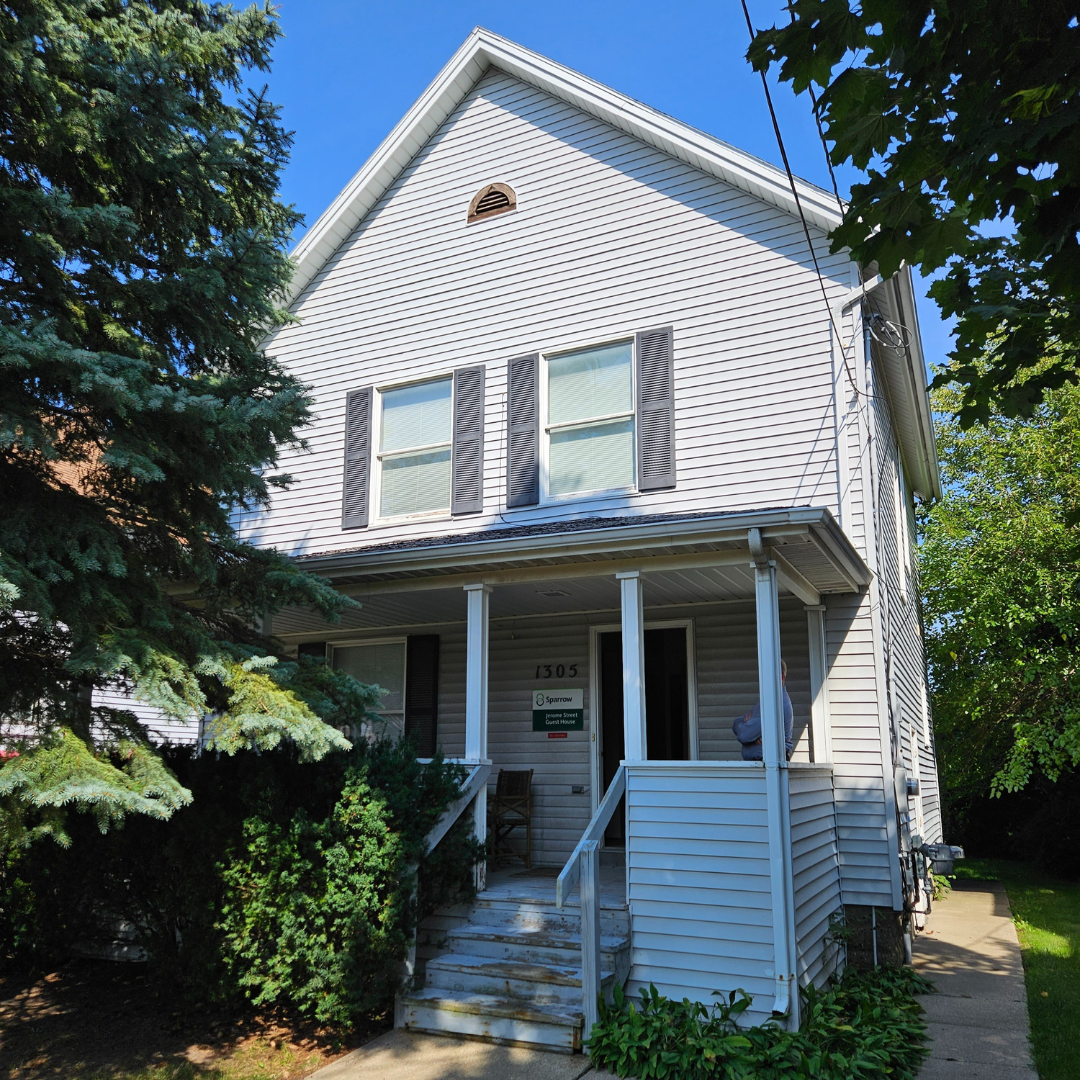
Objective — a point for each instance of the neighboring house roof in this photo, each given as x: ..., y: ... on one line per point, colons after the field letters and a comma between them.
x: 483, y: 50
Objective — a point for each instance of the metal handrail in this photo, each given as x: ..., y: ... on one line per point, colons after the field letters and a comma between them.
x: 584, y: 866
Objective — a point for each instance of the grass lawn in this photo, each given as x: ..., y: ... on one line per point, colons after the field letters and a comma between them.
x: 1047, y: 915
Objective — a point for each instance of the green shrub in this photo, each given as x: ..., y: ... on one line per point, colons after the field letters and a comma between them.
x: 293, y: 871
x: 863, y: 1026
x: 320, y: 914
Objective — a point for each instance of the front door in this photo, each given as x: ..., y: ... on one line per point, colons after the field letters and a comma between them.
x: 667, y: 712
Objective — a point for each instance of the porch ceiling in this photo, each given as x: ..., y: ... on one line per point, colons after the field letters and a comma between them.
x: 683, y: 560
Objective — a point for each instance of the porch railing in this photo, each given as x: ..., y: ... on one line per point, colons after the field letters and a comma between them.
x: 583, y: 867
x: 476, y: 779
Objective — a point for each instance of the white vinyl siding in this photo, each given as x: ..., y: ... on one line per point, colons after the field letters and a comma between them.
x: 414, y: 448
x: 655, y: 243
x: 815, y: 872
x: 590, y: 420
x: 699, y: 884
x: 162, y: 727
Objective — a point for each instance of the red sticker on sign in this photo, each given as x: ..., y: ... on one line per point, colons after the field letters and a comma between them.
x: 557, y: 735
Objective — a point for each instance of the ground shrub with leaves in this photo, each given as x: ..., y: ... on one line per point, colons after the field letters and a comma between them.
x: 864, y: 1026
x: 291, y: 884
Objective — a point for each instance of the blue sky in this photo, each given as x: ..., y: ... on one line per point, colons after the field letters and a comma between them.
x: 346, y: 72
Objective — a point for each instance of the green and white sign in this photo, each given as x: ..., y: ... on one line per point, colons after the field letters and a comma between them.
x: 558, y: 710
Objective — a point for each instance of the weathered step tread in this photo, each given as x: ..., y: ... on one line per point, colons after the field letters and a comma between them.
x: 522, y: 971
x: 487, y: 1005
x: 529, y: 937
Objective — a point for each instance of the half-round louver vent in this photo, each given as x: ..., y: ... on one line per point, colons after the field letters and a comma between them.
x: 491, y: 200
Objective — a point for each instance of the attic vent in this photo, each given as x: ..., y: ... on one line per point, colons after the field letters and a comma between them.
x: 491, y: 200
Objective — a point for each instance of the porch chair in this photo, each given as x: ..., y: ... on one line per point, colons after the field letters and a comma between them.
x: 509, y: 809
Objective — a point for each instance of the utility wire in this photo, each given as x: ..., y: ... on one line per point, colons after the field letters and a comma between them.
x: 802, y: 215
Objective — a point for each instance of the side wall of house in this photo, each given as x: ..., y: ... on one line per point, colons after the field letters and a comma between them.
x: 611, y: 236
x: 901, y: 623
x: 162, y: 727
x: 815, y: 870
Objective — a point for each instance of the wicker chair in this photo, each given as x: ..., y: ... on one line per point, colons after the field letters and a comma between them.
x: 511, y: 808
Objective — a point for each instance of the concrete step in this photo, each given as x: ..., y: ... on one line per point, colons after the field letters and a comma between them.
x: 550, y: 1027
x: 541, y: 946
x: 511, y: 980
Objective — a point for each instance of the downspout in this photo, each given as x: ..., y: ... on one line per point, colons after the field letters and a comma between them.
x: 774, y: 758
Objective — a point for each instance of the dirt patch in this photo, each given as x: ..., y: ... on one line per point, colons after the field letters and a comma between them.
x: 93, y: 1018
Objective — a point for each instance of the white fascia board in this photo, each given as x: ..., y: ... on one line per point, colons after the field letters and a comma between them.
x: 593, y: 541
x: 915, y: 385
x: 483, y: 49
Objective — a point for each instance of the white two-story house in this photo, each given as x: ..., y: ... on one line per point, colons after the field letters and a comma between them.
x: 599, y: 443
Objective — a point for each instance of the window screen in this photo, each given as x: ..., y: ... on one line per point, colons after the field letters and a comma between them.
x: 590, y: 421
x: 414, y: 448
x: 377, y: 665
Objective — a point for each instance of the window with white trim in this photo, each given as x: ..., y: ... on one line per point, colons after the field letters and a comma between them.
x: 590, y: 420
x: 415, y: 435
x: 381, y: 664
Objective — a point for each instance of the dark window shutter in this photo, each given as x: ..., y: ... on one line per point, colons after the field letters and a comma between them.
x: 467, y: 494
x: 656, y: 409
x: 523, y: 431
x: 315, y: 649
x: 422, y: 692
x: 354, y: 504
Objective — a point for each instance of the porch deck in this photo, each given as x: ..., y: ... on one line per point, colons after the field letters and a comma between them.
x: 538, y: 884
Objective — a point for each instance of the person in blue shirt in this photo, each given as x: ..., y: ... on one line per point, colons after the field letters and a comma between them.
x: 747, y: 727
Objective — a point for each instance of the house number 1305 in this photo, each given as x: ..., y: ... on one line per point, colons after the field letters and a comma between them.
x: 556, y: 671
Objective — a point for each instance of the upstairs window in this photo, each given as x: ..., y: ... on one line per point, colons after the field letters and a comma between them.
x: 590, y: 420
x: 415, y: 434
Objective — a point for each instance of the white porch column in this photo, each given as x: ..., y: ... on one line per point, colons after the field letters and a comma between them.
x: 476, y: 702
x: 820, y: 726
x: 633, y: 662
x: 770, y: 695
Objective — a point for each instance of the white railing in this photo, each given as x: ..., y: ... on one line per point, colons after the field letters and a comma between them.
x: 583, y: 867
x: 476, y: 779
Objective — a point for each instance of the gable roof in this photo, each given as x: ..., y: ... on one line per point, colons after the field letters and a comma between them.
x: 483, y: 50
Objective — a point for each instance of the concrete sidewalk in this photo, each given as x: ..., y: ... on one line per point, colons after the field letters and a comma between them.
x: 407, y: 1055
x: 978, y: 1020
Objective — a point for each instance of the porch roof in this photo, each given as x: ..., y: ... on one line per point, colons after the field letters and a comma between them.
x: 570, y: 565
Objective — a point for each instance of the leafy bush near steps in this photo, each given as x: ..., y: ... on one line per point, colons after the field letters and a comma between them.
x: 863, y: 1027
x: 328, y: 844
x: 321, y: 913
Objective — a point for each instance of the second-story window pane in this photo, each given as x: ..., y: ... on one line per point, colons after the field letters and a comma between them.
x: 593, y: 382
x: 590, y: 420
x: 416, y: 415
x: 414, y: 448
